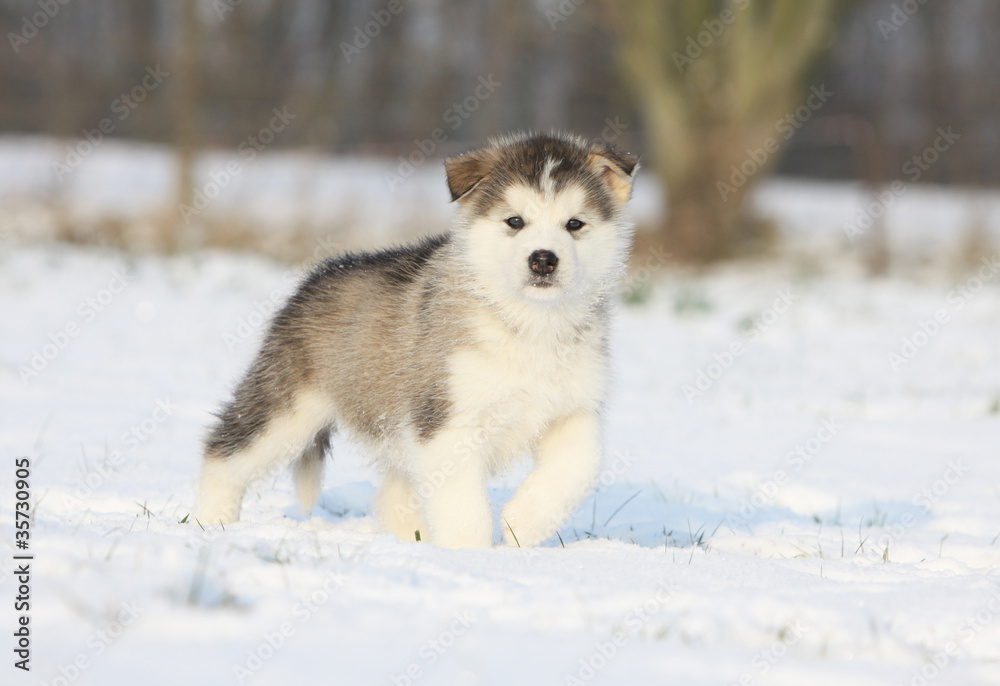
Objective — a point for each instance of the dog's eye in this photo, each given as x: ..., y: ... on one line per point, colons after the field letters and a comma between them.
x: 515, y: 222
x: 574, y: 224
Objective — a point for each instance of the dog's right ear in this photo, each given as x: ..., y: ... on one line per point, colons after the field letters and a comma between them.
x: 464, y: 172
x: 617, y: 169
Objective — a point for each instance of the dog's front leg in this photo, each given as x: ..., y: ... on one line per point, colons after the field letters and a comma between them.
x: 566, y: 465
x: 451, y: 480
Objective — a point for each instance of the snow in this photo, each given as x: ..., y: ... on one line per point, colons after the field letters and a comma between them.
x: 814, y: 512
x: 45, y: 182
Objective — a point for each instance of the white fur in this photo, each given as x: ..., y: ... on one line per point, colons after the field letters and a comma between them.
x: 588, y: 264
x: 224, y: 481
x: 567, y: 459
x: 512, y: 396
x: 308, y: 477
x: 399, y: 507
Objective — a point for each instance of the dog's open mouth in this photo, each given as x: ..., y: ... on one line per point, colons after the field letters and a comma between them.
x: 541, y: 282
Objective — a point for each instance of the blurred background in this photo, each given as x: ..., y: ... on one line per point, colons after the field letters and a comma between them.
x: 817, y: 198
x: 865, y: 128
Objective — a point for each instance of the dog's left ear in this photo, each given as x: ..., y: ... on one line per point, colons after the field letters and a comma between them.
x: 617, y: 169
x: 464, y: 172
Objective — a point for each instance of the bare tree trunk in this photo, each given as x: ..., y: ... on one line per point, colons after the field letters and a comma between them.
x: 190, y: 233
x: 713, y: 84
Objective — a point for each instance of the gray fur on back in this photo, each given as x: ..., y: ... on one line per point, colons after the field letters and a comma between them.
x: 371, y: 331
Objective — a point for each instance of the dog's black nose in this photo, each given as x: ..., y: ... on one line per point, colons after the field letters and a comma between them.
x: 543, y: 262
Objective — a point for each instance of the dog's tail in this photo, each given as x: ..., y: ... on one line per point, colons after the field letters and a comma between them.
x: 308, y: 471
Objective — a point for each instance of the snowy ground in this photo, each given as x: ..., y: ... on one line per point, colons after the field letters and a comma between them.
x: 803, y: 513
x: 822, y: 507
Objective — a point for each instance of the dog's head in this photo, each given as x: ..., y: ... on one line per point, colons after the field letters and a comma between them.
x: 542, y: 216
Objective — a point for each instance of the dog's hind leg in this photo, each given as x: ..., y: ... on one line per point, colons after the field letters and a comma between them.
x: 254, y: 438
x: 398, y: 507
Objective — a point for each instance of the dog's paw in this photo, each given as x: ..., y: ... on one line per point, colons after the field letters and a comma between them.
x: 462, y: 536
x: 525, y: 523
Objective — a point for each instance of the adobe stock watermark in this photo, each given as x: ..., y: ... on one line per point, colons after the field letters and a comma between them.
x: 927, y: 329
x: 940, y: 487
x: 132, y: 439
x: 712, y: 30
x: 263, y: 310
x: 453, y: 118
x: 900, y: 15
x: 490, y: 423
x: 723, y: 361
x: 97, y: 644
x: 434, y: 649
x: 964, y: 633
x: 613, y: 129
x: 224, y: 7
x: 273, y: 641
x: 256, y: 319
x: 633, y: 621
x: 363, y: 35
x: 122, y: 106
x: 642, y: 270
x: 619, y: 464
x: 31, y: 25
x: 913, y: 169
x: 796, y: 459
x: 925, y: 498
x: 784, y: 128
x: 87, y: 311
x: 765, y: 660
x: 247, y: 150
x: 562, y: 12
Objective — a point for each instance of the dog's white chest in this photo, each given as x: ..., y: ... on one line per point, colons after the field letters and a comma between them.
x: 515, y: 386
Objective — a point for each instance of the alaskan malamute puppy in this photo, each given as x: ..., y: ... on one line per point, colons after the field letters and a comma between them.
x: 452, y: 358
